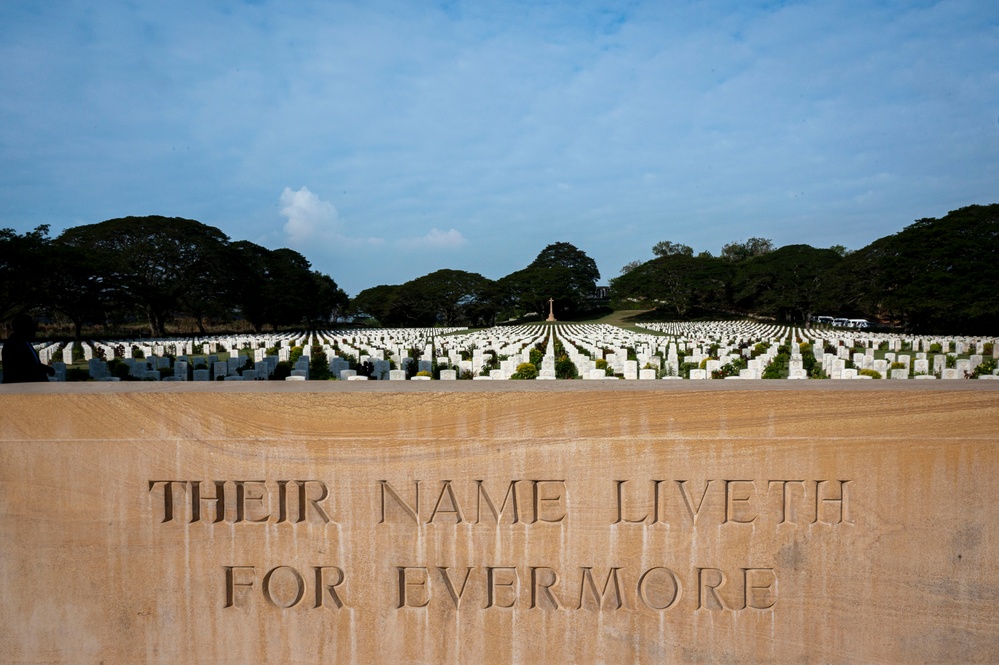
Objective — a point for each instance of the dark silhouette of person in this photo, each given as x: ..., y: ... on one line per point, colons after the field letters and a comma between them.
x: 20, y: 361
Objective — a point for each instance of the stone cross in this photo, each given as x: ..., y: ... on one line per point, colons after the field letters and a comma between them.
x: 551, y: 309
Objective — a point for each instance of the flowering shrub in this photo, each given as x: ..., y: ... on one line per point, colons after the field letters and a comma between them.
x: 525, y: 371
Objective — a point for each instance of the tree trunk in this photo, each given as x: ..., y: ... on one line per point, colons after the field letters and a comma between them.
x: 152, y: 321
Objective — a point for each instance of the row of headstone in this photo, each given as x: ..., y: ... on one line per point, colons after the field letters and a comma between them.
x: 631, y: 355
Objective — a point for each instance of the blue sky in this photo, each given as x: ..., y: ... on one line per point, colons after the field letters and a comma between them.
x: 385, y: 140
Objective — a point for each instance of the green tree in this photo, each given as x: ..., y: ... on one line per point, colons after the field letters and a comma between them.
x: 151, y: 261
x: 677, y: 283
x: 444, y: 296
x: 740, y: 251
x: 788, y: 283
x: 667, y: 248
x: 376, y: 302
x: 326, y: 303
x: 936, y: 275
x: 74, y: 286
x: 631, y: 265
x: 279, y: 288
x: 560, y: 271
x: 23, y: 259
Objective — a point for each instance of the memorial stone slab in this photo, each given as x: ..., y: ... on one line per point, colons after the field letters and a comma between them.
x: 323, y: 524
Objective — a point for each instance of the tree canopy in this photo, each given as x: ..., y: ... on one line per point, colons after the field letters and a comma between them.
x: 936, y: 275
x: 667, y: 248
x: 162, y: 267
x: 560, y: 271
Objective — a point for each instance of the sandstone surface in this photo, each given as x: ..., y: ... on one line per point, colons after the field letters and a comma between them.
x: 353, y: 523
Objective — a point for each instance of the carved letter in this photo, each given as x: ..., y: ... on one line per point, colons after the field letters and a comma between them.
x: 511, y: 496
x: 196, y: 500
x: 844, y: 505
x: 785, y: 500
x: 586, y: 581
x: 673, y: 593
x: 282, y: 501
x: 546, y: 589
x: 703, y: 585
x: 299, y: 587
x: 167, y: 496
x: 769, y: 587
x: 231, y: 583
x: 414, y: 513
x: 730, y: 500
x: 620, y: 506
x: 404, y: 585
x: 538, y: 485
x: 303, y: 490
x: 455, y: 508
x: 449, y: 585
x: 693, y: 511
x: 242, y: 497
x: 322, y: 587
x: 492, y: 584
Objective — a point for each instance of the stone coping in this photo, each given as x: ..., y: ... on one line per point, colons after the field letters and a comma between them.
x: 685, y: 386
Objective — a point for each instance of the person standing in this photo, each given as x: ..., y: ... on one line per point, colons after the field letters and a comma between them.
x: 20, y: 361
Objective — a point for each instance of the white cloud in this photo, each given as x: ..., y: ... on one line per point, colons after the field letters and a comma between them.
x: 436, y: 239
x: 313, y: 221
x: 308, y: 215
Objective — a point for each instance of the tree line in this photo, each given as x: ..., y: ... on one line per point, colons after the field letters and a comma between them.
x: 560, y: 272
x: 158, y: 268
x: 936, y: 275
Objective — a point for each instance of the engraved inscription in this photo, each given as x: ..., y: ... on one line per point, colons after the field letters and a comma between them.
x: 709, y: 503
x: 284, y: 586
x: 658, y: 588
x: 242, y: 501
x: 728, y: 501
x: 547, y: 499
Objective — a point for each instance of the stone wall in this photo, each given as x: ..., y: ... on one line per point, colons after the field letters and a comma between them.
x: 337, y: 525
